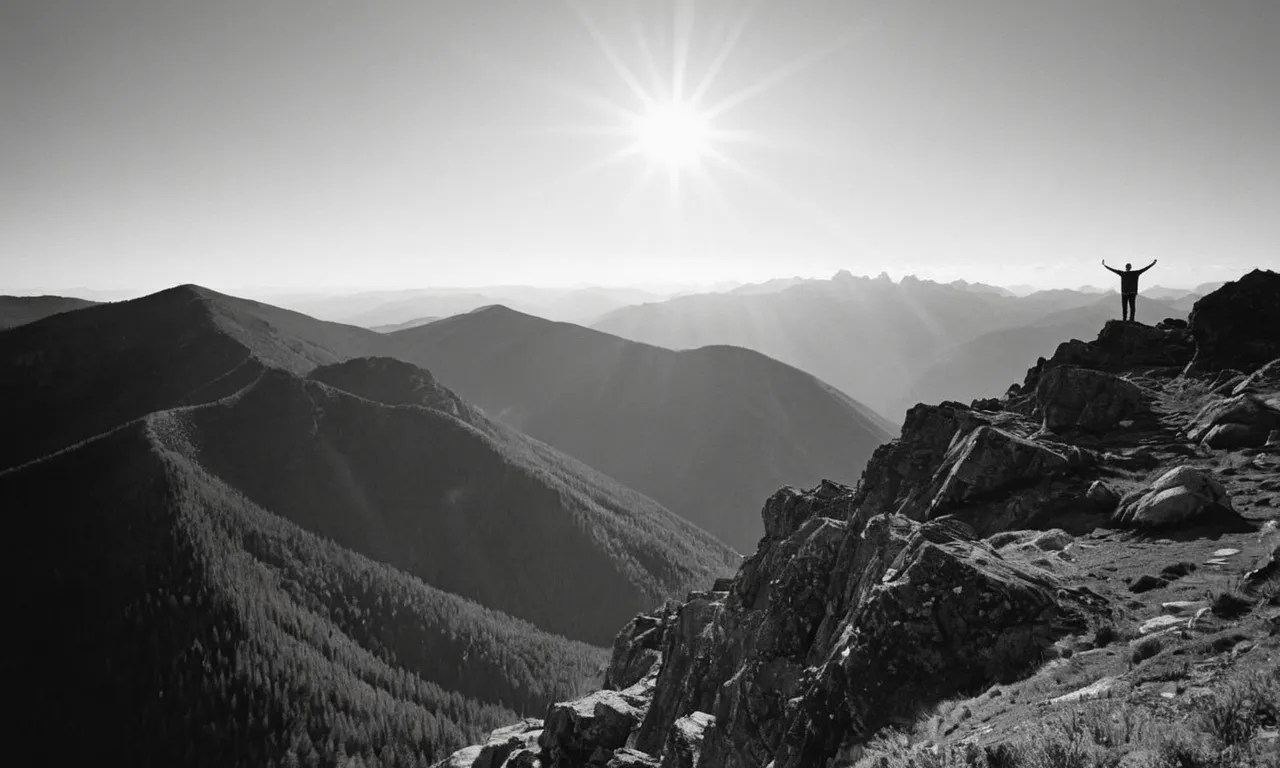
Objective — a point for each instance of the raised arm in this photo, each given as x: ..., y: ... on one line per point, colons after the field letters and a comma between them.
x: 1118, y: 272
x: 1149, y: 266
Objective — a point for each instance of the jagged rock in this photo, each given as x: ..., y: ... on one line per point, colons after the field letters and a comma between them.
x: 1103, y: 497
x: 899, y: 472
x: 1238, y: 325
x: 987, y: 461
x: 1265, y: 379
x: 637, y: 648
x: 789, y: 508
x: 1172, y: 324
x: 1120, y: 346
x: 1054, y: 540
x: 1178, y: 496
x: 1243, y: 421
x: 505, y: 742
x: 632, y: 758
x: 1070, y: 397
x: 952, y: 617
x: 575, y: 730
x: 684, y: 741
x: 987, y: 404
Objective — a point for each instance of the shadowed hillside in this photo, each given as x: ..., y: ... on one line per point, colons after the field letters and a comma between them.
x: 105, y: 365
x: 181, y: 624
x: 705, y: 432
x: 20, y: 310
x: 232, y: 520
x: 471, y: 507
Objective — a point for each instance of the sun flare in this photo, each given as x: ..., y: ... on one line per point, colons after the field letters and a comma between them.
x: 673, y: 135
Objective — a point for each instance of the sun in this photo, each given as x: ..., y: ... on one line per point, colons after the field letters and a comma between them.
x: 673, y: 135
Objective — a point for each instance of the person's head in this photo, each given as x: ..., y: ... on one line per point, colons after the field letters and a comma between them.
x: 1128, y: 267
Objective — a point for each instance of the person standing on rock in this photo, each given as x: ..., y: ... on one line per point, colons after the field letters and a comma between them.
x: 1129, y: 288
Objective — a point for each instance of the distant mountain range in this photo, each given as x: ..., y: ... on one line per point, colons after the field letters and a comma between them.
x: 872, y: 338
x: 707, y: 432
x: 20, y: 310
x: 379, y: 309
x: 985, y: 366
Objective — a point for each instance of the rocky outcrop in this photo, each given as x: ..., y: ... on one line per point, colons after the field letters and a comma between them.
x: 1181, y: 496
x: 637, y: 648
x: 948, y: 569
x: 589, y: 730
x: 1243, y: 421
x: 1265, y: 379
x: 1069, y: 397
x: 1238, y: 325
x: 1120, y: 346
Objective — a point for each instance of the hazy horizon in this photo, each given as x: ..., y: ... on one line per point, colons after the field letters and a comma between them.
x: 657, y: 289
x: 328, y: 146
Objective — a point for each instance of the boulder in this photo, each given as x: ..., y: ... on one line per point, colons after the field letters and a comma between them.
x: 684, y: 741
x: 988, y: 461
x: 575, y: 730
x: 504, y: 742
x: 1181, y: 495
x: 1103, y: 497
x: 1242, y: 421
x: 1238, y: 325
x: 1069, y: 397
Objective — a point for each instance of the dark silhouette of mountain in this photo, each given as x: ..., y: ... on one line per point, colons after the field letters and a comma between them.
x: 69, y: 377
x: 179, y: 623
x: 239, y: 533
x: 371, y: 453
x: 985, y: 367
x: 704, y: 432
x: 20, y: 310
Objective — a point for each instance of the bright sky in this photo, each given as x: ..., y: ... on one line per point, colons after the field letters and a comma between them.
x: 322, y: 143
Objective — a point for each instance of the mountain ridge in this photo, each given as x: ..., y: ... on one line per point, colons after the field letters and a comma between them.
x: 702, y: 431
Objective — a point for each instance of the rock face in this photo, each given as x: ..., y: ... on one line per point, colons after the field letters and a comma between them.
x: 1179, y: 496
x: 1238, y: 325
x: 1070, y: 397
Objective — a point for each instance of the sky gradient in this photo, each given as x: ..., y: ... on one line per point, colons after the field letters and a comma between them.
x: 247, y: 144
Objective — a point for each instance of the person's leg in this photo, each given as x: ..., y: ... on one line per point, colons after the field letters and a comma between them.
x: 1130, y: 305
x: 1124, y: 307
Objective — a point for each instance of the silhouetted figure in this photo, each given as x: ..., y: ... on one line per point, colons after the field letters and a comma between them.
x: 1129, y: 287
